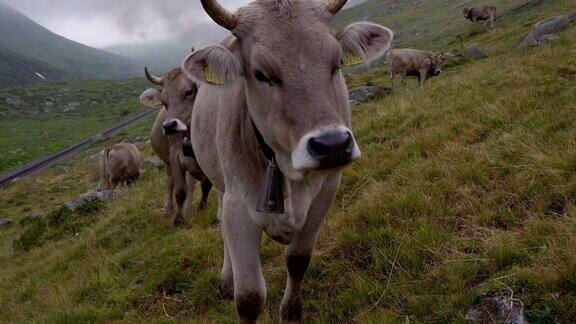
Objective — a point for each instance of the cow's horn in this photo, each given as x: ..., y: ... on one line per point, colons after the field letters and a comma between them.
x: 220, y: 15
x: 152, y: 78
x: 334, y: 6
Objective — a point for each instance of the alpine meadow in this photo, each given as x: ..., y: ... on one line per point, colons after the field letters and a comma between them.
x: 465, y: 192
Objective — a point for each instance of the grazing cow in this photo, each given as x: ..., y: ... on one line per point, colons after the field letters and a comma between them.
x: 411, y: 62
x: 119, y: 163
x: 483, y: 13
x: 176, y: 102
x: 271, y: 129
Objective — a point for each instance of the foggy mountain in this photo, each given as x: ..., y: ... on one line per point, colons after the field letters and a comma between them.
x: 162, y: 56
x: 28, y: 49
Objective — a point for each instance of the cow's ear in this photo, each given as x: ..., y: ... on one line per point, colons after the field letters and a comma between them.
x: 364, y: 42
x: 152, y: 98
x: 214, y: 65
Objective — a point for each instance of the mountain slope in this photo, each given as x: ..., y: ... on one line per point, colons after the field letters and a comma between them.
x: 466, y: 188
x: 26, y: 48
x: 437, y: 24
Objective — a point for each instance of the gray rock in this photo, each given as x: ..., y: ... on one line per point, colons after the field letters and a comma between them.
x: 362, y: 94
x: 545, y: 30
x: 13, y: 101
x: 5, y: 222
x: 476, y: 51
x: 48, y: 104
x: 74, y: 105
x: 63, y: 168
x: 153, y: 162
x: 497, y: 309
x: 103, y: 196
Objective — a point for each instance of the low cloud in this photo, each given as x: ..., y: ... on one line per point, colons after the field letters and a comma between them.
x: 107, y: 22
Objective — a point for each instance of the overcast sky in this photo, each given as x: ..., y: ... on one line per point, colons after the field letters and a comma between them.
x: 101, y: 23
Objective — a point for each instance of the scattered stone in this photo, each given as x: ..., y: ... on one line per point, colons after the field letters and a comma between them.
x: 74, y: 105
x: 497, y: 309
x: 5, y: 222
x: 48, y: 104
x: 70, y: 109
x: 362, y: 94
x: 13, y: 101
x: 154, y: 162
x: 103, y: 196
x: 545, y: 30
x: 63, y: 168
x: 476, y: 51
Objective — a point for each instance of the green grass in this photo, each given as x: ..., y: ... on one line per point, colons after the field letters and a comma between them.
x: 32, y: 130
x: 466, y: 188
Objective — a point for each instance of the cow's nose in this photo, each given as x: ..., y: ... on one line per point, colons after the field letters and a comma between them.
x: 170, y: 125
x: 332, y: 149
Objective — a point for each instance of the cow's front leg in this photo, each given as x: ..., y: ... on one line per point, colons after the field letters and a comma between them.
x: 168, y: 202
x: 180, y: 190
x: 298, y: 253
x: 242, y: 237
x: 190, y: 185
x: 206, y: 187
x: 226, y: 286
x: 422, y: 76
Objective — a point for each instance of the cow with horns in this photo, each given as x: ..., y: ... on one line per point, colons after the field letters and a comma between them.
x: 170, y: 143
x: 271, y: 129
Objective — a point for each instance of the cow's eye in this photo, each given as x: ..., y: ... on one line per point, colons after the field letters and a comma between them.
x: 261, y: 77
x: 188, y: 93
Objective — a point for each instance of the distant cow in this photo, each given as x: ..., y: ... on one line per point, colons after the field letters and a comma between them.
x: 170, y: 128
x: 483, y: 13
x: 120, y: 163
x: 271, y: 128
x: 410, y: 62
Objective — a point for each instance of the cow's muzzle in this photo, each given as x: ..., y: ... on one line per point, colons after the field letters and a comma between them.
x: 327, y: 149
x: 173, y: 126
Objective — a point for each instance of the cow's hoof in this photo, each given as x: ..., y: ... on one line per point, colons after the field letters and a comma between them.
x: 202, y: 207
x: 226, y: 290
x: 179, y: 222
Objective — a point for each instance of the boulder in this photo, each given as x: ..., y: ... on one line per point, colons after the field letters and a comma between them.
x: 74, y: 105
x: 13, y: 101
x: 497, y: 309
x: 545, y: 30
x: 5, y: 222
x: 476, y: 51
x: 362, y: 94
x: 103, y: 196
x: 153, y: 162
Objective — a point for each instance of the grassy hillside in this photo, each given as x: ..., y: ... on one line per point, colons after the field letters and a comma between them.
x: 438, y: 24
x: 466, y: 188
x: 27, y: 48
x: 43, y: 118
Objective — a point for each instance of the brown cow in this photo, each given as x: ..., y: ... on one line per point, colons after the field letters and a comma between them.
x: 271, y: 129
x: 119, y: 163
x: 411, y: 62
x: 176, y: 102
x: 483, y: 13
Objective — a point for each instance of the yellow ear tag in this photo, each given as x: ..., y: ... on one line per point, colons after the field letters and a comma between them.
x: 158, y: 104
x: 211, y: 77
x: 353, y: 59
